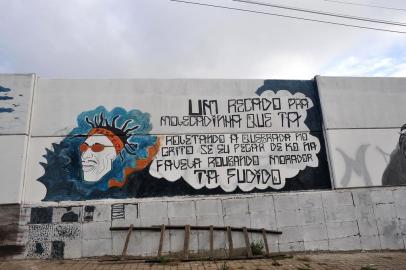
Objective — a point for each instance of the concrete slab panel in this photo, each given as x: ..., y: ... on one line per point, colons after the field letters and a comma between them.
x: 12, y: 160
x: 382, y: 196
x: 154, y: 221
x: 399, y: 195
x: 392, y: 242
x: 368, y: 227
x: 96, y: 230
x: 371, y: 242
x: 237, y: 206
x: 289, y: 217
x: 261, y: 204
x: 311, y: 216
x: 219, y: 240
x: 361, y: 102
x: 291, y: 234
x: 141, y: 243
x: 237, y: 221
x: 286, y: 201
x: 316, y: 245
x: 333, y: 199
x: 314, y: 232
x: 73, y: 249
x: 101, y: 212
x: 346, y: 243
x: 263, y: 221
x: 15, y: 103
x: 362, y: 198
x: 177, y: 238
x: 364, y: 213
x: 96, y: 247
x: 209, y: 208
x: 210, y: 220
x: 310, y: 200
x: 181, y: 209
x: 153, y: 209
x: 342, y: 229
x: 359, y: 157
x: 385, y: 212
x: 341, y: 213
x: 190, y: 220
x: 295, y: 246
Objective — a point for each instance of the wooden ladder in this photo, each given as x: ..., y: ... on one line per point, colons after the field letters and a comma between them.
x: 187, y: 229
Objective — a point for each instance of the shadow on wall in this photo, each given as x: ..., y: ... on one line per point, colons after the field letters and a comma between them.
x: 395, y: 173
x: 9, y: 217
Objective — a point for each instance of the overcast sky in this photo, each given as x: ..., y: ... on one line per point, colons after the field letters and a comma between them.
x: 163, y: 39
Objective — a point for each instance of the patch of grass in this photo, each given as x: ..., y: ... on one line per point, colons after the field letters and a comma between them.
x: 368, y: 267
x: 224, y: 266
x: 257, y: 247
x: 163, y: 259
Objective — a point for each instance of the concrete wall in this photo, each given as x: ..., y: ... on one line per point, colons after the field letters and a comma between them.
x: 181, y: 135
x: 15, y: 111
x: 67, y: 212
x: 363, y: 119
x: 367, y: 219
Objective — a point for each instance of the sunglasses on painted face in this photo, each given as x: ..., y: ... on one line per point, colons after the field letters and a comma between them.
x: 97, y: 147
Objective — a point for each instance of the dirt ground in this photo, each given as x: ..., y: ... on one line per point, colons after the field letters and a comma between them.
x: 311, y: 261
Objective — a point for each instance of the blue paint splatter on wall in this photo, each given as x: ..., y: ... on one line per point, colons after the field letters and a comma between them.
x: 4, y: 89
x: 5, y: 97
x: 6, y: 110
x: 97, y: 157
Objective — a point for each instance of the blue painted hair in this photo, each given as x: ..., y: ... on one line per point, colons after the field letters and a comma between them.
x: 63, y: 175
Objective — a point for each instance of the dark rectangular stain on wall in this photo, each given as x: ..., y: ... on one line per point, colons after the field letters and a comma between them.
x: 9, y: 218
x: 57, y: 251
x: 41, y: 215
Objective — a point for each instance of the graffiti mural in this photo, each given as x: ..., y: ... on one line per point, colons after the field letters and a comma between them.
x: 395, y: 172
x: 245, y: 160
x: 269, y: 140
x: 98, y: 156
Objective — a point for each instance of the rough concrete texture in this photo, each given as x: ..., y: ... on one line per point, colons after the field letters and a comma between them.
x: 359, y: 219
x: 319, y: 261
x: 354, y: 94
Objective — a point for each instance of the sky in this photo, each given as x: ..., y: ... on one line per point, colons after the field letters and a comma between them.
x: 164, y: 39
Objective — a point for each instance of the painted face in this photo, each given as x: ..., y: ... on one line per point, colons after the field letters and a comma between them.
x: 98, y: 154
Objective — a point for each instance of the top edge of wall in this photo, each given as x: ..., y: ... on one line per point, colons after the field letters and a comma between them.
x: 362, y: 102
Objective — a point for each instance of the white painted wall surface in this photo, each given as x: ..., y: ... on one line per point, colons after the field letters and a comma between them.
x: 12, y: 162
x: 59, y: 102
x: 21, y: 89
x: 35, y: 191
x: 15, y: 110
x: 362, y: 119
x: 351, y: 102
x: 358, y: 157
